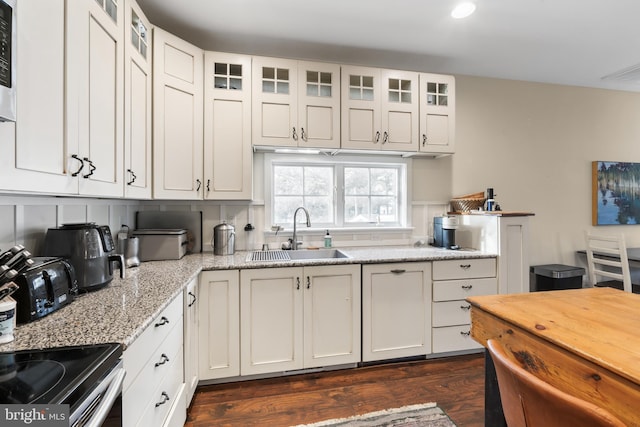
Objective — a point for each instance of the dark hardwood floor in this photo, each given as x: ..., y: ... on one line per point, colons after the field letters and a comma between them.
x: 455, y: 383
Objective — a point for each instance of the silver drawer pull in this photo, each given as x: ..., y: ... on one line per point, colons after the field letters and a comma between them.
x: 163, y: 321
x: 165, y: 399
x: 467, y: 287
x: 465, y: 266
x: 465, y: 307
x: 465, y: 334
x: 398, y: 271
x: 163, y: 359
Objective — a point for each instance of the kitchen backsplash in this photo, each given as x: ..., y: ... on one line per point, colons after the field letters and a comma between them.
x: 25, y: 220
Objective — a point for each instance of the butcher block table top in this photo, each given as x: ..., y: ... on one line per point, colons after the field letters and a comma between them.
x: 583, y: 341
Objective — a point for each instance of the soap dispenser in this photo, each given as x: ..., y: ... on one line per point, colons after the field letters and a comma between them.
x: 327, y: 240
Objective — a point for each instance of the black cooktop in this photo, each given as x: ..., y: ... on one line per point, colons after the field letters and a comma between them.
x: 62, y: 375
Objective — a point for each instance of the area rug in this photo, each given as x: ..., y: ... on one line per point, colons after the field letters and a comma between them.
x: 423, y: 415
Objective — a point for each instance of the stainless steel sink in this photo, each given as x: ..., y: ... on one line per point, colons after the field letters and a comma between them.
x: 301, y: 254
x: 317, y: 254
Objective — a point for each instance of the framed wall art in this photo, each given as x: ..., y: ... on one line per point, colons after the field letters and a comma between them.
x: 615, y: 193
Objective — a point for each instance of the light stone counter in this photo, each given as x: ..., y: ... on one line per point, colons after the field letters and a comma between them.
x: 123, y: 309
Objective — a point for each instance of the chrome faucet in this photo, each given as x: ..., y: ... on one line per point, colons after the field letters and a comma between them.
x: 294, y: 244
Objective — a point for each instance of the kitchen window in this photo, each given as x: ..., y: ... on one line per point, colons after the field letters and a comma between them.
x: 338, y: 191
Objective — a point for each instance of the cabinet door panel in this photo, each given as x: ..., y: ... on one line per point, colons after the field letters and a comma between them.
x: 362, y: 126
x: 332, y: 315
x: 361, y: 120
x: 396, y: 316
x: 400, y: 128
x: 228, y: 164
x: 275, y: 101
x: 399, y: 110
x: 219, y: 324
x: 103, y: 83
x: 138, y: 137
x: 319, y: 123
x: 437, y: 113
x: 95, y: 95
x: 271, y: 326
x: 228, y: 122
x: 178, y: 158
x: 276, y: 121
x: 137, y: 103
x: 177, y: 118
x: 437, y: 130
x: 319, y: 111
x: 36, y: 155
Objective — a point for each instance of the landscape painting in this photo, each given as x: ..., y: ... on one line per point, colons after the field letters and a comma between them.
x: 616, y: 193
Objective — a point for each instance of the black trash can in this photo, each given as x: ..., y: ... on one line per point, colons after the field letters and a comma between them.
x: 551, y: 277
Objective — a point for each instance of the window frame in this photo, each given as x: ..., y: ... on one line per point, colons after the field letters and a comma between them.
x: 340, y: 161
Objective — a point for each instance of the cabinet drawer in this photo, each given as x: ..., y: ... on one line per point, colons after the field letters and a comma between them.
x: 451, y: 313
x: 138, y: 353
x: 464, y: 268
x: 449, y: 290
x: 165, y: 397
x: 453, y: 338
x: 166, y: 357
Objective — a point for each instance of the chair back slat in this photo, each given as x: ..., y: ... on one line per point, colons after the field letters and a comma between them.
x: 607, y: 257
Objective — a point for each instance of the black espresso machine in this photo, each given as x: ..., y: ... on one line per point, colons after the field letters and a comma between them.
x: 444, y: 232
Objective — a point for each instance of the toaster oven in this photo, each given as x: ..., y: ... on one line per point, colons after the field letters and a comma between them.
x: 8, y: 60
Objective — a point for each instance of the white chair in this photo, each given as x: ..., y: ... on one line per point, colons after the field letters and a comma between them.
x: 607, y: 257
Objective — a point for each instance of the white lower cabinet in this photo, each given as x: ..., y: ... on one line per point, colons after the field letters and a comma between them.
x: 219, y: 324
x: 299, y: 317
x: 396, y: 310
x: 453, y: 281
x: 190, y: 313
x: 153, y: 390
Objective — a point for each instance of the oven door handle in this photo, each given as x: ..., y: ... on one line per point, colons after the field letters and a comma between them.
x: 109, y: 398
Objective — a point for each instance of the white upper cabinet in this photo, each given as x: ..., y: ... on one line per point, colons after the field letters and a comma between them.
x: 296, y: 103
x: 34, y: 148
x: 137, y: 103
x: 318, y: 105
x: 177, y: 118
x: 437, y: 113
x: 95, y: 79
x: 275, y: 102
x: 379, y: 109
x: 228, y: 155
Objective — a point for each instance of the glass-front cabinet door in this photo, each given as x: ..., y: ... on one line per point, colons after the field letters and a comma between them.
x: 361, y: 120
x: 399, y: 109
x: 437, y: 113
x: 227, y: 127
x: 319, y: 105
x: 275, y: 102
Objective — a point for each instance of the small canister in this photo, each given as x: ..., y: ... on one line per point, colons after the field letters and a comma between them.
x: 224, y: 239
x: 7, y: 319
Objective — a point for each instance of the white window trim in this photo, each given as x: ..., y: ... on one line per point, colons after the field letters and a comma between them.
x: 365, y: 160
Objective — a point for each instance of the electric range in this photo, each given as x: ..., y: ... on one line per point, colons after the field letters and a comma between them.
x: 87, y: 378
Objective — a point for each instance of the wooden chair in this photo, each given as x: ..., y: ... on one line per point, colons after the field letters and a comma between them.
x: 607, y: 257
x: 528, y: 401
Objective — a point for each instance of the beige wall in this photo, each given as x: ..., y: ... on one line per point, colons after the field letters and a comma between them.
x: 534, y: 144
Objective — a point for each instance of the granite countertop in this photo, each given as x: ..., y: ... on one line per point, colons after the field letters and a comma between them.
x: 122, y: 310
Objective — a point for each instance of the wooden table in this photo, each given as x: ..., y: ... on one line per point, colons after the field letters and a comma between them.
x: 583, y: 341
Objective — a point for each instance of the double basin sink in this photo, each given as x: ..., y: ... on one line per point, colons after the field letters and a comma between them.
x: 300, y: 254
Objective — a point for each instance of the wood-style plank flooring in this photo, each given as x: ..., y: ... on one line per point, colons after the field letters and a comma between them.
x: 455, y: 383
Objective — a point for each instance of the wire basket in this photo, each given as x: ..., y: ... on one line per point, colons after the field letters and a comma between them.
x: 466, y: 205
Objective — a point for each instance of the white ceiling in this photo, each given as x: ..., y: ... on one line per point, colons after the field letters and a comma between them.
x: 572, y: 42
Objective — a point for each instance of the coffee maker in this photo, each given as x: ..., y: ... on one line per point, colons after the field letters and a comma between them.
x: 444, y: 231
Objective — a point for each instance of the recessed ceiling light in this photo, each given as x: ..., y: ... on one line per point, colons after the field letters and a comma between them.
x: 463, y: 10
